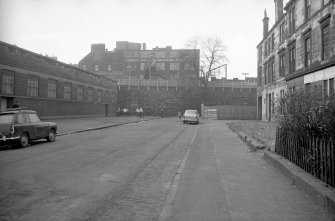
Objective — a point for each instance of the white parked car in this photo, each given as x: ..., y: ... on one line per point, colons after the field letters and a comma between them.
x: 191, y: 116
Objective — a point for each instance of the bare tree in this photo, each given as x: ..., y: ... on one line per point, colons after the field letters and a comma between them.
x: 212, y: 58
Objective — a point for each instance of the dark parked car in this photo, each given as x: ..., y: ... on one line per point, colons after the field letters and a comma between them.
x: 191, y: 116
x: 20, y: 126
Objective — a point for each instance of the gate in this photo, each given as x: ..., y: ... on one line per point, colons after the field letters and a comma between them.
x: 209, y: 112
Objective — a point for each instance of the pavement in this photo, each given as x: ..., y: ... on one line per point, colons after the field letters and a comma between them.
x: 67, y: 126
x: 321, y: 193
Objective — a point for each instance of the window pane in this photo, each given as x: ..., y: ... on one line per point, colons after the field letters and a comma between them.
x: 33, y: 118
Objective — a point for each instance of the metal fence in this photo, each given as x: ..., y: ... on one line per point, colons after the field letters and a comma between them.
x: 314, y: 155
x: 180, y: 83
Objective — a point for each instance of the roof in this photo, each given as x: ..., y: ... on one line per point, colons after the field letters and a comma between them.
x: 17, y: 110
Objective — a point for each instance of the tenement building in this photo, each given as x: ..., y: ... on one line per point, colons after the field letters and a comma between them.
x: 52, y: 88
x: 133, y: 61
x: 297, y: 52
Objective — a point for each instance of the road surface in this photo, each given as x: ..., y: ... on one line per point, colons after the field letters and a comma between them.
x: 154, y: 170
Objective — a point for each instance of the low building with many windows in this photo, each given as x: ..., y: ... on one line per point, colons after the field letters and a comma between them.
x: 297, y: 52
x: 130, y: 60
x: 52, y: 88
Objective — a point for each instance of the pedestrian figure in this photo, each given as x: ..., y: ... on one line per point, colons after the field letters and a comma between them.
x: 138, y: 112
x: 162, y: 112
x: 179, y: 116
x: 16, y: 105
x: 141, y: 112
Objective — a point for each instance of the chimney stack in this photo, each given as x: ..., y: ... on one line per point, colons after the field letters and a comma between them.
x: 279, y: 9
x: 265, y: 24
x: 144, y: 46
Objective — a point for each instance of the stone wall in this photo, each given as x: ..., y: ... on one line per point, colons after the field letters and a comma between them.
x: 173, y: 99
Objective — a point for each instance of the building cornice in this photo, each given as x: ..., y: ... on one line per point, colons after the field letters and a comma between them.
x: 303, y: 72
x: 57, y: 63
x: 288, y: 4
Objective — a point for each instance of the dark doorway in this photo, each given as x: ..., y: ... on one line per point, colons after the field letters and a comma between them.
x: 259, y: 108
x: 106, y: 110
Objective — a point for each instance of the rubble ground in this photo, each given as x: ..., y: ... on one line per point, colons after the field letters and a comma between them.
x: 262, y: 131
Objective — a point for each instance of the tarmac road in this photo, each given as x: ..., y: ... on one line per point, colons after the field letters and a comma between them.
x: 153, y: 170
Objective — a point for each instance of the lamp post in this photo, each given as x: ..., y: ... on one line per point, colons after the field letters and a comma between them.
x: 245, y: 75
x: 128, y: 67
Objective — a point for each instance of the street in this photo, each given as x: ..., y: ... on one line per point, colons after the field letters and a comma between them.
x: 152, y: 170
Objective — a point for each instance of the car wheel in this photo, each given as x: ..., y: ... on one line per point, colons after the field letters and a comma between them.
x: 24, y: 140
x: 51, y: 136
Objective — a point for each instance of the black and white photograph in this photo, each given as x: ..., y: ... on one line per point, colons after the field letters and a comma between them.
x: 167, y: 110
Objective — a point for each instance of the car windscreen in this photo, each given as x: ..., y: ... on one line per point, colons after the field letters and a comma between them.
x: 6, y: 118
x: 191, y: 113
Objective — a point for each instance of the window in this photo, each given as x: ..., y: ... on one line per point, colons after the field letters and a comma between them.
x: 96, y: 67
x: 272, y: 41
x: 80, y: 93
x: 174, y: 66
x: 90, y: 95
x: 84, y: 67
x: 32, y: 86
x: 325, y: 42
x: 291, y: 18
x: 331, y: 86
x: 142, y: 66
x: 109, y: 68
x: 281, y: 32
x: 174, y: 54
x: 160, y: 66
x: 308, y: 87
x: 33, y: 118
x: 266, y: 48
x: 259, y: 76
x: 186, y: 66
x: 325, y: 88
x: 99, y: 96
x: 265, y: 74
x: 67, y: 91
x: 307, y: 9
x: 273, y: 103
x: 20, y: 119
x: 308, y: 52
x: 145, y: 54
x: 282, y: 64
x: 269, y: 45
x: 8, y: 84
x: 292, y: 56
x: 160, y: 54
x: 260, y: 54
x: 52, y: 89
x: 272, y: 69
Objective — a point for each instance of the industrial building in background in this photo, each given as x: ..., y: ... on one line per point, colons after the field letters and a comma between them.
x: 297, y: 52
x: 52, y: 88
x: 133, y: 61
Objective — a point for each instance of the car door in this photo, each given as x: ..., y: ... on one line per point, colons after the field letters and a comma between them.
x: 38, y: 127
x: 22, y: 125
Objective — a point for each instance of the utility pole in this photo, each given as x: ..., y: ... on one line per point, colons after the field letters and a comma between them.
x: 245, y: 75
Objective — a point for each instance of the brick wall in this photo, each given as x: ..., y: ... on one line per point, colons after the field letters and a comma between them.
x: 22, y: 64
x: 174, y: 100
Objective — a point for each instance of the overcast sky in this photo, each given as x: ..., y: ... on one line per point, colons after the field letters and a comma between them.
x: 67, y: 28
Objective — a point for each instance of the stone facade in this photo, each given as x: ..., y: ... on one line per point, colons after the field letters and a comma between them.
x: 129, y: 60
x: 297, y: 52
x: 52, y: 88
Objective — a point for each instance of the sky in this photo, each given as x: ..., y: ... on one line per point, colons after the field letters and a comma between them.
x: 67, y: 28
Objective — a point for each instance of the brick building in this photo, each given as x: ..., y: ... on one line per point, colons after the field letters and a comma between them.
x: 134, y: 61
x: 52, y: 88
x: 297, y: 52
